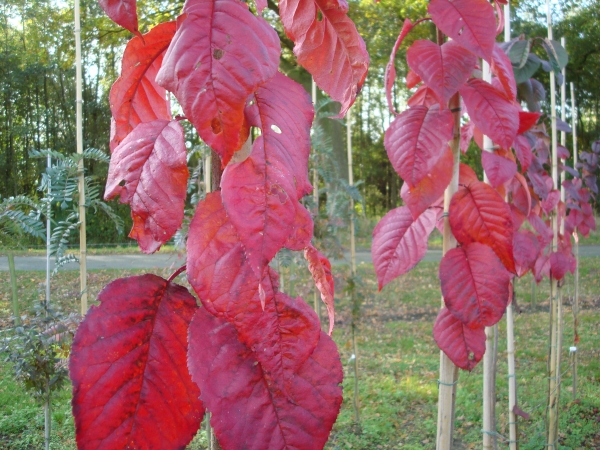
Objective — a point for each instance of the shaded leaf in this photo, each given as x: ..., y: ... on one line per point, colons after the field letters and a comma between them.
x: 135, y: 97
x: 501, y: 67
x: 479, y: 214
x: 526, y: 251
x: 523, y: 151
x: 212, y: 73
x: 246, y: 406
x: 400, y: 242
x: 424, y: 96
x: 149, y: 171
x: 390, y: 68
x: 131, y: 386
x: 498, y: 168
x: 416, y: 139
x: 464, y: 345
x: 122, y: 12
x: 475, y: 285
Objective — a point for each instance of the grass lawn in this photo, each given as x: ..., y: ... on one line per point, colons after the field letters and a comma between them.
x: 398, y: 364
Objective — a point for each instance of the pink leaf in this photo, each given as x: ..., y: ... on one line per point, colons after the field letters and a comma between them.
x: 468, y: 22
x: 466, y: 175
x: 491, y: 111
x: 399, y: 242
x: 320, y: 268
x: 412, y: 79
x: 135, y: 97
x: 212, y: 72
x: 465, y: 346
x: 502, y: 68
x: 523, y: 151
x: 122, y: 12
x: 330, y: 49
x: 390, y: 68
x: 559, y: 265
x: 430, y: 188
x: 443, y: 69
x: 416, y: 139
x: 550, y: 202
x: 541, y: 268
x: 475, y: 285
x: 466, y: 134
x: 479, y: 214
x: 423, y: 97
x: 131, y: 387
x: 246, y: 406
x: 498, y: 168
x: 151, y: 162
x: 526, y: 250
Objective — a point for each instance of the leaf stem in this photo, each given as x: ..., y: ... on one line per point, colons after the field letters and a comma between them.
x: 177, y: 273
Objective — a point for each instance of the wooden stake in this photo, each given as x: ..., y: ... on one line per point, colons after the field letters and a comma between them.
x: 315, y: 183
x: 555, y: 294
x: 80, y: 167
x: 576, y: 251
x: 448, y: 371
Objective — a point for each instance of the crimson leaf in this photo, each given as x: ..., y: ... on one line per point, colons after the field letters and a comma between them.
x: 491, y: 111
x: 464, y: 345
x: 400, y: 242
x: 131, y: 386
x: 479, y: 214
x: 247, y: 406
x: 443, y: 69
x: 320, y: 268
x: 135, y: 97
x: 498, y: 168
x: 122, y: 12
x: 468, y: 22
x: 390, y: 68
x: 527, y: 249
x: 502, y: 68
x: 416, y: 139
x: 330, y: 49
x: 475, y: 285
x: 149, y: 171
x: 220, y: 54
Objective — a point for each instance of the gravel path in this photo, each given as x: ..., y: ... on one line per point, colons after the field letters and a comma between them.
x: 173, y: 260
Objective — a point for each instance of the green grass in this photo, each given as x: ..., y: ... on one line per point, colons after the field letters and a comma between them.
x: 118, y: 249
x: 398, y: 364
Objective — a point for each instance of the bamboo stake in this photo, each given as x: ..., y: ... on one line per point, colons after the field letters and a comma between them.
x: 315, y: 183
x: 207, y: 173
x: 448, y: 371
x: 555, y: 295
x: 13, y: 285
x: 80, y: 167
x: 563, y: 135
x: 576, y: 251
x: 489, y: 357
x: 352, y: 265
x: 513, y: 443
x: 48, y: 235
x: 47, y: 419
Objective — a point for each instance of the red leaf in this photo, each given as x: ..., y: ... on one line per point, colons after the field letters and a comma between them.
x: 526, y: 250
x: 330, y: 49
x: 416, y: 139
x: 261, y: 193
x: 541, y: 268
x: 466, y: 134
x: 302, y: 233
x: 443, y: 69
x: 478, y: 214
x: 390, y: 68
x: 523, y: 151
x: 475, y: 285
x: 122, y: 12
x: 247, y: 407
x: 212, y: 73
x: 399, y: 242
x: 284, y: 112
x: 151, y: 161
x: 131, y: 386
x: 282, y: 331
x: 412, y: 79
x: 491, y: 111
x: 527, y: 120
x: 468, y: 22
x: 466, y: 175
x: 502, y: 68
x: 320, y: 268
x: 135, y: 97
x: 498, y: 168
x: 464, y: 346
x: 430, y: 188
x: 559, y: 265
x: 521, y: 197
x: 544, y: 231
x: 423, y: 97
